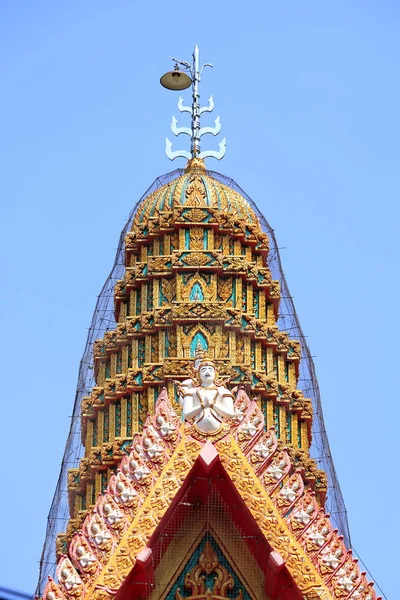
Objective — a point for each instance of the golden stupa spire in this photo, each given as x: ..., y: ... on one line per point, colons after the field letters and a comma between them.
x: 198, y: 477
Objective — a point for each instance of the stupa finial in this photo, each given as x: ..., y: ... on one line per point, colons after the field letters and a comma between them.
x: 180, y: 80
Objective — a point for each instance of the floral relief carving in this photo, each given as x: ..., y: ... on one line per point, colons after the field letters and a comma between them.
x: 83, y: 557
x: 305, y: 511
x: 276, y: 471
x: 123, y: 492
x: 196, y: 579
x: 261, y: 453
x: 68, y: 578
x: 196, y: 192
x: 52, y: 591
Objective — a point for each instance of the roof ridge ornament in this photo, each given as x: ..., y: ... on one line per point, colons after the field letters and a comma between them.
x: 180, y: 80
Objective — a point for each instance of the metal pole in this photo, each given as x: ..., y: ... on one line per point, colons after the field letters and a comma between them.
x: 195, y: 132
x: 195, y: 145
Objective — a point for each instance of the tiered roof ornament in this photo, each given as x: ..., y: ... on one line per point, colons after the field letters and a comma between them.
x: 206, y: 465
x: 179, y: 80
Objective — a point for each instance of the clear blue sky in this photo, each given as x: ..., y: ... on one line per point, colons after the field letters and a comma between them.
x: 309, y: 97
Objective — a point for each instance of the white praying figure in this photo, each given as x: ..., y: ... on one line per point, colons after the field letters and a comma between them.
x: 208, y: 403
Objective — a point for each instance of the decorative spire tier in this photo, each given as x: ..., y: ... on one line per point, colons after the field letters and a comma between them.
x: 196, y: 276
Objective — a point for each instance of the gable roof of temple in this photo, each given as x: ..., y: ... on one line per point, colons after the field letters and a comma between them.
x: 263, y: 492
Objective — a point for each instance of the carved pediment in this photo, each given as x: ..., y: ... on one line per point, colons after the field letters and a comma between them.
x: 208, y: 578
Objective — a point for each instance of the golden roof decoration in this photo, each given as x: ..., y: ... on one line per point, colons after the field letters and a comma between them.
x: 195, y: 188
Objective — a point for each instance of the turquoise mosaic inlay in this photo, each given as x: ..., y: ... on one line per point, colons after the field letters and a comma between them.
x: 196, y: 293
x: 200, y: 340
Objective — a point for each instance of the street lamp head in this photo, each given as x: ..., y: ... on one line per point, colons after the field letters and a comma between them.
x: 176, y: 80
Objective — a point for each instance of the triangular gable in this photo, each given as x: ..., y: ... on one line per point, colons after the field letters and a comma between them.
x: 188, y: 462
x: 200, y: 515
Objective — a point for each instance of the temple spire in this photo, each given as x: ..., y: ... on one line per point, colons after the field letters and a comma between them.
x: 179, y: 80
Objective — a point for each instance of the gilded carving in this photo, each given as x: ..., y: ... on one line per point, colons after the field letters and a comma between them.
x: 240, y: 349
x: 203, y: 281
x: 130, y: 242
x: 168, y: 287
x: 317, y: 534
x: 198, y: 310
x: 136, y: 470
x: 276, y: 471
x: 152, y: 445
x: 251, y: 427
x: 68, y: 578
x: 120, y: 290
x: 305, y: 511
x: 235, y: 264
x: 224, y: 348
x: 61, y: 544
x: 272, y: 525
x: 83, y: 557
x: 196, y: 238
x: 152, y: 510
x: 286, y: 497
x: 176, y: 367
x: 332, y: 556
x: 364, y: 590
x: 159, y: 265
x: 202, y: 436
x: 263, y: 450
x: 52, y: 591
x: 196, y: 192
x: 346, y: 580
x: 194, y: 215
x: 124, y: 493
x: 195, y: 580
x: 166, y: 421
x: 111, y: 514
x: 195, y: 258
x: 98, y: 536
x: 225, y: 288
